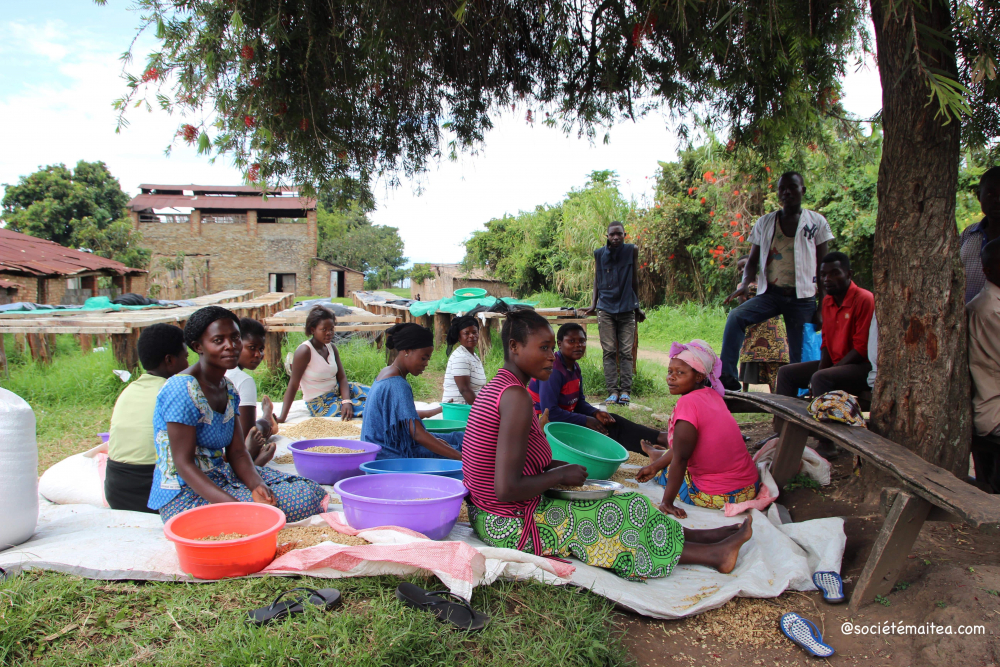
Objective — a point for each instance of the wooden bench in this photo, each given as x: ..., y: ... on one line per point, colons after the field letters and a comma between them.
x: 924, y: 491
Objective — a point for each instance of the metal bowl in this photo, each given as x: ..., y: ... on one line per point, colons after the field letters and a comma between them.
x: 607, y: 490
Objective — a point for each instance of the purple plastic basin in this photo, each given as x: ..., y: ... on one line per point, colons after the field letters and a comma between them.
x: 388, y: 500
x: 324, y: 468
x: 104, y: 436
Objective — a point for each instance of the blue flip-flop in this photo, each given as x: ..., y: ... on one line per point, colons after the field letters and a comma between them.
x: 805, y: 634
x: 624, y: 399
x: 831, y: 585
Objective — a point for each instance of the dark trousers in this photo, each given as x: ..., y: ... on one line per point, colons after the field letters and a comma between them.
x: 617, y: 332
x: 126, y: 486
x: 986, y: 458
x: 852, y: 378
x: 761, y: 308
x: 628, y: 434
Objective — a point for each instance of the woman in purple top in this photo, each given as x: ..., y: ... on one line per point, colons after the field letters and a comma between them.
x: 562, y: 396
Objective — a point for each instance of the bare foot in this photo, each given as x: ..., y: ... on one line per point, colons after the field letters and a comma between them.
x: 731, y: 546
x: 267, y: 408
x: 652, y: 451
x: 710, y: 535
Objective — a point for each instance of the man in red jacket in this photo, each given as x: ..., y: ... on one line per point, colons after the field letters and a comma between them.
x: 847, y: 317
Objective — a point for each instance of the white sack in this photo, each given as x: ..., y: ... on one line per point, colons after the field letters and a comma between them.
x: 18, y: 470
x: 78, y: 479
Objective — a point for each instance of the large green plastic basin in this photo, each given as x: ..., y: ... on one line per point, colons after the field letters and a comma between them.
x: 598, y: 453
x: 470, y: 293
x: 455, y: 411
x: 443, y: 425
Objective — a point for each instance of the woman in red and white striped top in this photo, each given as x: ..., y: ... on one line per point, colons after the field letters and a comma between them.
x: 508, y: 466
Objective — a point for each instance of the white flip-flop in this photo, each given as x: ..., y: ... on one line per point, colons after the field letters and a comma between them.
x: 805, y: 634
x: 831, y: 585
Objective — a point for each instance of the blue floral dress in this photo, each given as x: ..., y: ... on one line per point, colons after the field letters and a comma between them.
x: 182, y: 401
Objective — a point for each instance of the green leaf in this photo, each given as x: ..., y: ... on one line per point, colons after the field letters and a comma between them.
x: 459, y: 13
x: 237, y: 21
x: 204, y: 143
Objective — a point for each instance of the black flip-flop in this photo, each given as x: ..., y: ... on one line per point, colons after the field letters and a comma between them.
x: 459, y: 613
x: 327, y: 598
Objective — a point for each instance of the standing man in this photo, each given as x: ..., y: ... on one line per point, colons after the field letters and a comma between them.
x: 791, y: 241
x: 617, y: 304
x: 975, y: 237
x: 847, y: 317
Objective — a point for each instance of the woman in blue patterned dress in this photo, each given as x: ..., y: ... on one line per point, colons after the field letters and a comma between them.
x: 201, y: 455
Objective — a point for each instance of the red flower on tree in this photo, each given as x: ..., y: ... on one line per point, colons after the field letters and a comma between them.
x: 253, y: 173
x: 247, y: 52
x: 249, y: 121
x: 152, y: 74
x: 304, y: 124
x: 189, y: 132
x: 256, y: 82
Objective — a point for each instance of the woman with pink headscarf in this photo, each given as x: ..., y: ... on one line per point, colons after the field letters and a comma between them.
x: 708, y: 464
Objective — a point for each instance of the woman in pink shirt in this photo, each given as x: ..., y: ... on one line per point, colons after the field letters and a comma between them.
x: 709, y: 465
x: 508, y: 466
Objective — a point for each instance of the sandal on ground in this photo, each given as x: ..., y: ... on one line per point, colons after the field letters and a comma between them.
x: 455, y: 611
x: 624, y: 399
x: 611, y: 400
x: 326, y: 598
x: 831, y: 585
x: 804, y: 633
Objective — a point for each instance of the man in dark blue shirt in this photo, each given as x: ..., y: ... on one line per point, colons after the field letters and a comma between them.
x: 617, y: 304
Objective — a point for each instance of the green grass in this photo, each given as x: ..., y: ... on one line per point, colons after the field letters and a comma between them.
x: 683, y: 323
x: 344, y: 301
x: 401, y: 292
x: 56, y: 619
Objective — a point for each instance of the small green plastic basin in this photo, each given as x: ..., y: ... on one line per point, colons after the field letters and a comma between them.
x: 470, y: 293
x: 456, y: 411
x: 598, y: 453
x: 444, y: 425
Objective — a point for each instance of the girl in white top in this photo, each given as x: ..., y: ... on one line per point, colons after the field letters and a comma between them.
x: 464, y: 376
x: 317, y: 370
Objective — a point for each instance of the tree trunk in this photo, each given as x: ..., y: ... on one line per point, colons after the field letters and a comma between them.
x: 922, y: 393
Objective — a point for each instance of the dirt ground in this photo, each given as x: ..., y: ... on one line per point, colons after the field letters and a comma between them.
x: 952, y: 578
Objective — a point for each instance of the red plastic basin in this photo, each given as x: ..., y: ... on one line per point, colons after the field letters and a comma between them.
x: 232, y: 558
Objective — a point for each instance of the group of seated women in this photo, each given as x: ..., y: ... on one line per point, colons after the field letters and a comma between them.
x: 184, y: 436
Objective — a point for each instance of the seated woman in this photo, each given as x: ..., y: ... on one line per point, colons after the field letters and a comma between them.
x: 464, y: 376
x: 708, y: 461
x: 508, y: 466
x: 391, y: 417
x: 562, y: 396
x: 201, y: 456
x: 253, y: 333
x: 131, y: 448
x: 316, y: 368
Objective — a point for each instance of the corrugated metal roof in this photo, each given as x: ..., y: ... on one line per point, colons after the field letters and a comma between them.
x: 26, y: 254
x: 210, y: 202
x: 233, y: 189
x: 339, y: 266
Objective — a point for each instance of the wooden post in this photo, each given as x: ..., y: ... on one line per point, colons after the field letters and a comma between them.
x: 485, y: 337
x: 3, y: 358
x: 20, y: 343
x: 441, y: 323
x: 50, y: 340
x: 125, y: 347
x: 888, y: 555
x: 788, y: 453
x: 39, y: 348
x: 86, y: 343
x: 272, y: 350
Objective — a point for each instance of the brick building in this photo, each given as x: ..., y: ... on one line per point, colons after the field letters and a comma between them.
x: 212, y: 238
x: 450, y: 277
x: 41, y: 271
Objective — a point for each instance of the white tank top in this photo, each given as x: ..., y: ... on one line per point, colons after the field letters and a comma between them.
x: 320, y: 376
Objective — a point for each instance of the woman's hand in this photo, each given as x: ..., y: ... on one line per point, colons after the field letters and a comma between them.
x: 604, y: 417
x: 572, y: 475
x: 672, y: 510
x: 595, y: 424
x: 543, y: 418
x: 645, y: 474
x: 346, y: 411
x: 262, y: 494
x: 280, y: 419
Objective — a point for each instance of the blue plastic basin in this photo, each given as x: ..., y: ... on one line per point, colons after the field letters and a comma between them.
x: 441, y: 467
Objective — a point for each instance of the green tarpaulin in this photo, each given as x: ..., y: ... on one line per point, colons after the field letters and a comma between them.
x: 455, y: 305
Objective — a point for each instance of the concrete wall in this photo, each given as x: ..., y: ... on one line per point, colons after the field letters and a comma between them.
x: 231, y: 256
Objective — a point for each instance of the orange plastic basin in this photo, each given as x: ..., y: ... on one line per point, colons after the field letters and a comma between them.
x: 232, y: 558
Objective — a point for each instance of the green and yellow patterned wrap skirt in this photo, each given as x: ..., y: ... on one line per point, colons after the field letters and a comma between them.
x: 625, y: 533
